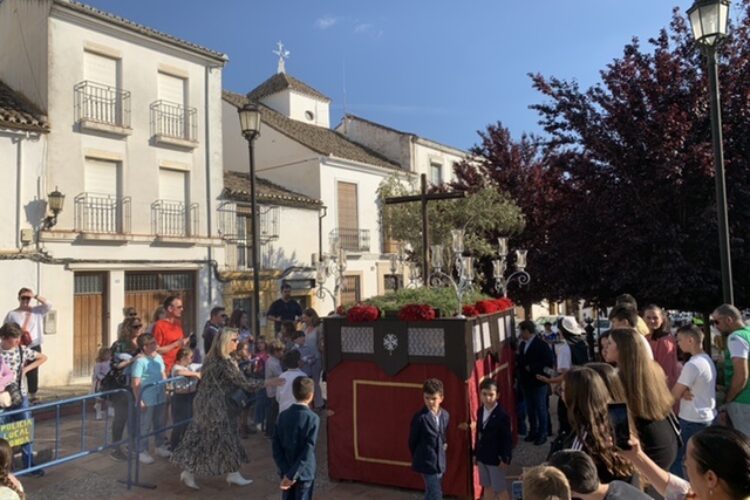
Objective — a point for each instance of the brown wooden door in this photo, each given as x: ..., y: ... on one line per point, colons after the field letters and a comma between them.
x: 89, y: 313
x: 348, y: 216
x: 145, y: 291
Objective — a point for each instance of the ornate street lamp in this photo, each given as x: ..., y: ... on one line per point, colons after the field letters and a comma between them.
x: 250, y: 121
x: 55, y: 201
x: 500, y: 265
x: 708, y: 19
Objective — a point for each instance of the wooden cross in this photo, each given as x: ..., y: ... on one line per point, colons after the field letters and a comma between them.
x: 423, y: 198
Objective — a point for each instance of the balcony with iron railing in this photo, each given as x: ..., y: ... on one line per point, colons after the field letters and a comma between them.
x: 352, y: 240
x: 174, y: 219
x: 174, y: 124
x: 102, y: 214
x: 102, y: 108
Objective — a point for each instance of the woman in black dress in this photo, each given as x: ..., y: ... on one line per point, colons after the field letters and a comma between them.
x: 648, y: 397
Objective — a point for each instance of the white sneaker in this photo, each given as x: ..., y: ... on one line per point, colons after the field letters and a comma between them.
x: 99, y: 415
x: 163, y: 452
x: 145, y: 458
x: 111, y: 411
x: 189, y: 480
x: 236, y: 478
x: 259, y: 427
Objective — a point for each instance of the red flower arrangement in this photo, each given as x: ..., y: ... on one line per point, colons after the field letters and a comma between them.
x: 487, y: 306
x: 416, y: 312
x: 362, y: 313
x: 504, y: 304
x: 469, y: 311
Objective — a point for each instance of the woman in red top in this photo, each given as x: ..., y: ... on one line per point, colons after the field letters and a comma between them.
x: 663, y: 343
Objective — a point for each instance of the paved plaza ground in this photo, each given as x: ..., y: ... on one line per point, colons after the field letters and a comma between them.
x: 97, y: 475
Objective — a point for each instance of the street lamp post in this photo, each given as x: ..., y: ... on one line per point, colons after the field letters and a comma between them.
x: 708, y: 19
x: 250, y: 127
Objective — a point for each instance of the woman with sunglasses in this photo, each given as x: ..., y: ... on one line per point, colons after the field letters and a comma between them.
x: 211, y: 445
x: 31, y: 320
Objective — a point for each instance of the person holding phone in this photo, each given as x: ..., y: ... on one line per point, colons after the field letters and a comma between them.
x: 717, y: 462
x: 587, y: 399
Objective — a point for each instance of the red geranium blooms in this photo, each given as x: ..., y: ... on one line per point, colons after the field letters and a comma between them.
x: 487, y: 306
x: 469, y: 310
x: 362, y: 313
x: 416, y: 312
x: 504, y: 304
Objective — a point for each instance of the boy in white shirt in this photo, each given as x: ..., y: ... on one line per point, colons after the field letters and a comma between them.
x: 284, y: 395
x: 695, y: 390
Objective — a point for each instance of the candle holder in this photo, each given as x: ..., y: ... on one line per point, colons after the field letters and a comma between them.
x: 463, y: 265
x: 331, y: 265
x: 500, y: 266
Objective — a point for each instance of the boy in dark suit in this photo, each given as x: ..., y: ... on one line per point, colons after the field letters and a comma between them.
x: 494, y: 444
x: 428, y: 439
x: 294, y: 443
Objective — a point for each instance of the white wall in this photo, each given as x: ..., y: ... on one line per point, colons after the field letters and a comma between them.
x: 426, y: 153
x: 295, y: 105
x: 140, y: 160
x: 22, y: 158
x: 23, y: 47
x: 388, y: 143
x: 297, y: 241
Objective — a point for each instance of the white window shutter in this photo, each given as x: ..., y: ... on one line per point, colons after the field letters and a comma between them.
x: 172, y: 185
x: 100, y: 69
x: 171, y: 89
x: 101, y: 177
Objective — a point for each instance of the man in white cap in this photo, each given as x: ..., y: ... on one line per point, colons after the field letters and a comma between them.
x: 570, y: 350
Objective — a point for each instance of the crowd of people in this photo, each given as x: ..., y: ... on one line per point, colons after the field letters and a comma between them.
x: 672, y: 439
x: 212, y: 398
x: 683, y: 443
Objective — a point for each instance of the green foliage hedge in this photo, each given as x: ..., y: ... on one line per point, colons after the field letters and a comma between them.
x: 443, y: 299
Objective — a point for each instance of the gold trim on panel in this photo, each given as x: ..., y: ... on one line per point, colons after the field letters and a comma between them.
x: 355, y: 384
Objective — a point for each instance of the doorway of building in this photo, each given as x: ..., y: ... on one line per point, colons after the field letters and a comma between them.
x: 89, y: 317
x: 145, y: 291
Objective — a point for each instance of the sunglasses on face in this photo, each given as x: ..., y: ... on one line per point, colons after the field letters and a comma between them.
x: 234, y: 340
x: 135, y: 327
x: 26, y: 297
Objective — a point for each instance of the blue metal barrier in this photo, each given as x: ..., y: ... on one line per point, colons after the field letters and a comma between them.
x: 84, y: 450
x: 135, y: 449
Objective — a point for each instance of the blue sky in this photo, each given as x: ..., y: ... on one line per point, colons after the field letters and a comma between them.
x: 440, y: 69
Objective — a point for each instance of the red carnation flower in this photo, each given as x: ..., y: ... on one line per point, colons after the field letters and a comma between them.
x: 416, y: 312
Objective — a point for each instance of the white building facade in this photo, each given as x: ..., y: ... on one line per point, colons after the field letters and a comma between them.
x: 297, y: 150
x: 134, y: 143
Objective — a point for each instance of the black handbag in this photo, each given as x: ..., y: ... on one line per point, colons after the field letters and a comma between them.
x: 14, y: 388
x: 114, y: 379
x: 238, y: 400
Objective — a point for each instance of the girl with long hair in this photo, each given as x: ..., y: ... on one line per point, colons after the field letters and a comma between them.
x: 7, y: 479
x: 241, y: 321
x: 648, y: 397
x: 586, y: 397
x: 611, y: 379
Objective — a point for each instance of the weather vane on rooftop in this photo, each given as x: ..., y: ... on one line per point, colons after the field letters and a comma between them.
x: 283, y: 56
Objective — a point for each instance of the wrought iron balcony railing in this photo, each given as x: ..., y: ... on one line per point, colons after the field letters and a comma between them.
x: 173, y: 121
x: 102, y: 213
x: 174, y: 218
x: 353, y: 240
x: 102, y: 104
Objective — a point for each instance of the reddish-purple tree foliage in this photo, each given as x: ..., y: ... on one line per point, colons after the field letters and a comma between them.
x: 620, y: 195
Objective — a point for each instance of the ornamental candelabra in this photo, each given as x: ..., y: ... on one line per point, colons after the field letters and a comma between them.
x: 462, y: 264
x: 500, y: 266
x: 331, y: 265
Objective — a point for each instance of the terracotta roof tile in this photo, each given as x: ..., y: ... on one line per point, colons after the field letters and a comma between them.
x: 282, y: 81
x: 144, y: 30
x: 237, y: 188
x: 320, y: 139
x: 17, y: 112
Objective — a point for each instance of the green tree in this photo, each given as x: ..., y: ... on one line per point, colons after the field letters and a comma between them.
x: 485, y: 214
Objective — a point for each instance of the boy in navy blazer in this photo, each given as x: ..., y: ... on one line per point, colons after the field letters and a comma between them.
x: 494, y: 443
x: 294, y: 443
x: 428, y: 439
